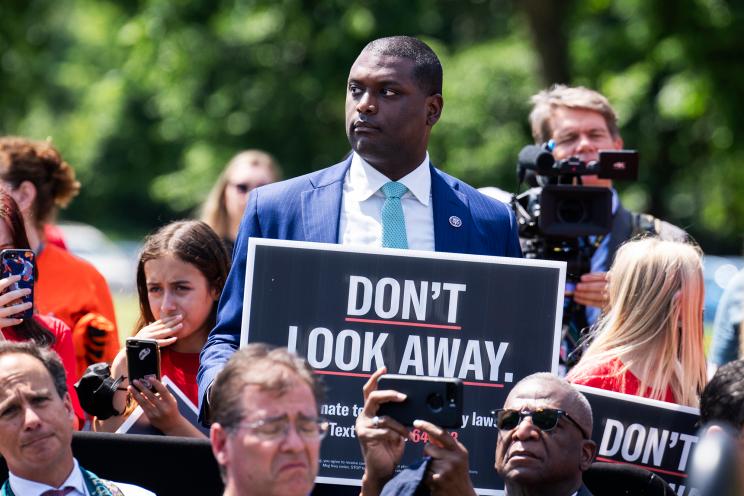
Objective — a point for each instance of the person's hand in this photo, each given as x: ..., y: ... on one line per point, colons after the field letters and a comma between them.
x: 9, y: 306
x: 592, y: 290
x: 382, y: 439
x: 448, y: 471
x: 163, y: 331
x: 161, y: 409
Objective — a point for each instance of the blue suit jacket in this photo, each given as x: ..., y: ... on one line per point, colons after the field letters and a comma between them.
x: 308, y: 208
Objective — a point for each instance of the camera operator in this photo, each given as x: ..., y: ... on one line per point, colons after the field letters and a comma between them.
x: 580, y: 122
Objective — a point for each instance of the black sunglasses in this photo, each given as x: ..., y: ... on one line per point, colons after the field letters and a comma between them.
x: 545, y: 419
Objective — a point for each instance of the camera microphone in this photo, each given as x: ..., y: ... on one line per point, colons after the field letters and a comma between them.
x: 534, y: 157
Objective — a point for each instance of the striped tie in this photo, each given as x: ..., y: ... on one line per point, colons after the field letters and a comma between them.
x: 393, y: 221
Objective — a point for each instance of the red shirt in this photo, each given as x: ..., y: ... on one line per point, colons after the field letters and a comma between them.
x: 606, y: 376
x: 181, y: 368
x: 63, y: 346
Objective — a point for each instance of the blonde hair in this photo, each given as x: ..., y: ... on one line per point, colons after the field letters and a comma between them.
x: 577, y: 97
x: 654, y: 325
x: 214, y: 211
x: 38, y: 162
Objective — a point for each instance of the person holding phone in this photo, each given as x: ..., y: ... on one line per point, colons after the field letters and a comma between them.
x: 180, y: 274
x: 70, y: 289
x: 543, y: 447
x: 41, y: 329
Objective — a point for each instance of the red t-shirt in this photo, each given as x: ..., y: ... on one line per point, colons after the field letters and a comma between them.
x: 63, y: 346
x: 606, y: 376
x: 181, y: 368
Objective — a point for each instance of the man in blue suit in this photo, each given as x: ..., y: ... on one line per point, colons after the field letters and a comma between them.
x: 386, y: 193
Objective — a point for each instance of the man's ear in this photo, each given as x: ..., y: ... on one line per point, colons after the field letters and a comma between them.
x: 67, y: 400
x: 218, y: 439
x: 618, y: 143
x: 588, y: 452
x: 434, y: 106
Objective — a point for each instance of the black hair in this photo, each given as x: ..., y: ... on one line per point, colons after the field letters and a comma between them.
x: 427, y: 69
x: 723, y: 397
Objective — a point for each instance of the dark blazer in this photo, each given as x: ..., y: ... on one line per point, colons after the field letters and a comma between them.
x: 308, y: 208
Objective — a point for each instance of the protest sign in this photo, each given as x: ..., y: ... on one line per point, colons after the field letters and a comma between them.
x: 650, y: 434
x: 489, y: 321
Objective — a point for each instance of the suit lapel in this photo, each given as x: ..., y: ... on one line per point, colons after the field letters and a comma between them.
x: 452, y: 221
x: 321, y: 206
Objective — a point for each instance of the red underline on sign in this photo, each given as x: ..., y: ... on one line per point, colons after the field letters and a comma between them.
x: 355, y: 374
x: 653, y: 469
x: 483, y: 384
x: 405, y: 324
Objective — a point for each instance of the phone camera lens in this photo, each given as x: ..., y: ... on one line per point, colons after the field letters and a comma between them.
x: 435, y: 402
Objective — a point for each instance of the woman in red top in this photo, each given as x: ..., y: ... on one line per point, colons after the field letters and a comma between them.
x: 650, y: 341
x: 180, y: 275
x: 43, y: 330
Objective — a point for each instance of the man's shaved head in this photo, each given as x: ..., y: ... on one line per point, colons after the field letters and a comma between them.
x: 544, y: 385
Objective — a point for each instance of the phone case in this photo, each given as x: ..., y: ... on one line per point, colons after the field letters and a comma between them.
x: 143, y: 360
x: 20, y: 263
x: 435, y: 399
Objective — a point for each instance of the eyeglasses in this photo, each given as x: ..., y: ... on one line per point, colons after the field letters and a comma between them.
x: 545, y: 419
x: 277, y: 428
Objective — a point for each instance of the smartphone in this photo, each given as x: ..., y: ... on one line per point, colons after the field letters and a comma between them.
x: 435, y: 399
x: 143, y: 360
x: 20, y: 263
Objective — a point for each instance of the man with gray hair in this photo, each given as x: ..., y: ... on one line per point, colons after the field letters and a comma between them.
x: 266, y: 431
x: 543, y: 448
x: 36, y: 419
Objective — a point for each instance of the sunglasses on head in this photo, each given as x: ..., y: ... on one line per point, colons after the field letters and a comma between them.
x: 545, y: 419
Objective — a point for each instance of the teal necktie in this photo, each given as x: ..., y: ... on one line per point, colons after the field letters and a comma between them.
x: 393, y: 221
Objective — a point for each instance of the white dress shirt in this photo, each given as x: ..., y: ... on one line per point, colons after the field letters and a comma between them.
x: 24, y: 487
x: 362, y: 200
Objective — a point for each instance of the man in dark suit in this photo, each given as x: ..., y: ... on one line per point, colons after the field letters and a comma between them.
x: 386, y: 193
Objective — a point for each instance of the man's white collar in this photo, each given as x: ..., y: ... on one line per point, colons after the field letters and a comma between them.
x: 365, y: 180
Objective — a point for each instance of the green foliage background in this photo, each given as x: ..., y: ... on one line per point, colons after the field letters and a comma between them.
x: 149, y: 99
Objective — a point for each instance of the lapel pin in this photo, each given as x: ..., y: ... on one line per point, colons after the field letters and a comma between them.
x: 455, y: 221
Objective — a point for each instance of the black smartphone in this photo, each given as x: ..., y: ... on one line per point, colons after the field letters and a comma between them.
x: 20, y: 263
x: 435, y: 399
x: 143, y: 360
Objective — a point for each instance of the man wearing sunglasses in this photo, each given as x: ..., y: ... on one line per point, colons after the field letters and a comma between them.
x: 266, y: 433
x: 544, y: 444
x: 543, y: 447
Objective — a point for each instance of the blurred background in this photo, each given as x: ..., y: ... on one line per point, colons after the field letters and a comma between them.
x: 148, y: 99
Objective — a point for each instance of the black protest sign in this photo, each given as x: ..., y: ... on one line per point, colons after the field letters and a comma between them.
x: 650, y: 434
x: 489, y: 321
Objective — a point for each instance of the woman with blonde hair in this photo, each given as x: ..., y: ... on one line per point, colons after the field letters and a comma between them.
x: 650, y: 341
x: 225, y: 204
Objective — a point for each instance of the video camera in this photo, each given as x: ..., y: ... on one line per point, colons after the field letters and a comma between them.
x: 560, y: 220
